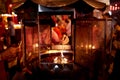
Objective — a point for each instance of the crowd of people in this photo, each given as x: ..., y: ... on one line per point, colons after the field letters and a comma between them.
x: 7, y: 36
x: 60, y: 32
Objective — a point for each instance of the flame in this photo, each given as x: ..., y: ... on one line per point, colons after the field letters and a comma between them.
x: 61, y: 59
x: 90, y: 46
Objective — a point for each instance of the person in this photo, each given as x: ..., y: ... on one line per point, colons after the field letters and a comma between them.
x: 11, y: 30
x: 115, y: 75
x: 2, y: 33
x: 19, y: 75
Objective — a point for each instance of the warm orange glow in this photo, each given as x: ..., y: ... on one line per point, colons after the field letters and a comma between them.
x: 61, y: 59
x: 114, y: 7
x: 93, y: 47
x: 10, y: 5
x: 17, y: 26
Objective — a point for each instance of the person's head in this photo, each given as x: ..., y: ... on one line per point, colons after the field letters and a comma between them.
x: 9, y: 18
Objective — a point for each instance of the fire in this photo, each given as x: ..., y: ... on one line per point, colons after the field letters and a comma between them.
x: 61, y: 59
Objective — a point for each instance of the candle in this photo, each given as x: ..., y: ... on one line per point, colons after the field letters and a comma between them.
x: 35, y: 47
x: 93, y: 47
x: 86, y: 46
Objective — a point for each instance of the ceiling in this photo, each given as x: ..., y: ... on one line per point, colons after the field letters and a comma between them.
x: 51, y: 3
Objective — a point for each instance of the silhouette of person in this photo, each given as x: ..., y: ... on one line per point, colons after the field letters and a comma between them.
x: 2, y: 34
x: 11, y: 30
